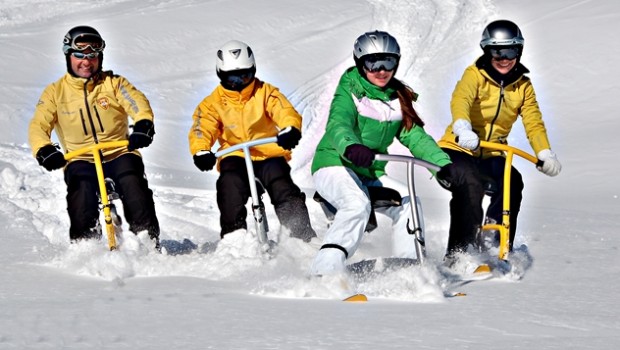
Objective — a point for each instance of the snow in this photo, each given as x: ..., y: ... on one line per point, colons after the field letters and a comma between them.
x: 203, y: 293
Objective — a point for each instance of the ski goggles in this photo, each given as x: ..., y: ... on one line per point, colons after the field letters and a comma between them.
x: 509, y: 53
x: 238, y: 78
x: 84, y: 56
x: 376, y: 63
x: 82, y: 42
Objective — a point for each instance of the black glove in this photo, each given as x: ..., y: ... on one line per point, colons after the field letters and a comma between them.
x: 445, y: 176
x: 359, y: 155
x: 289, y: 138
x: 142, y: 134
x: 50, y: 157
x: 204, y: 160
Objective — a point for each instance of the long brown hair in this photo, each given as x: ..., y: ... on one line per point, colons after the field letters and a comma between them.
x: 406, y: 97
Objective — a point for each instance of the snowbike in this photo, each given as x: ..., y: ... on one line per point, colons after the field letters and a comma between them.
x: 504, y: 227
x: 385, y: 197
x: 107, y: 194
x: 256, y: 188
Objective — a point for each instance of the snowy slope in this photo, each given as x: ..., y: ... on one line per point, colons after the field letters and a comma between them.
x: 207, y: 293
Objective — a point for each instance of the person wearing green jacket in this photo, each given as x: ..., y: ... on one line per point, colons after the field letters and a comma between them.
x: 369, y: 110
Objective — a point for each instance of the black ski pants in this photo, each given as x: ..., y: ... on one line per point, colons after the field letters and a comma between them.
x: 274, y: 174
x: 472, y: 178
x: 127, y: 172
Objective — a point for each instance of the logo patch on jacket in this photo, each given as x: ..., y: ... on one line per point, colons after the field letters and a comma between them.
x: 104, y: 103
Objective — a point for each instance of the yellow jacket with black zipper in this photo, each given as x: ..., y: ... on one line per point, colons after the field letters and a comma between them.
x: 87, y: 111
x: 230, y: 117
x: 492, y: 109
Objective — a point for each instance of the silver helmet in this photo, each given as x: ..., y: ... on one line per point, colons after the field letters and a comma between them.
x: 502, y: 33
x: 376, y: 42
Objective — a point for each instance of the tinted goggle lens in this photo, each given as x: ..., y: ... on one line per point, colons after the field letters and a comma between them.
x: 82, y: 56
x: 504, y: 54
x: 378, y: 63
x: 85, y: 41
x: 238, y: 77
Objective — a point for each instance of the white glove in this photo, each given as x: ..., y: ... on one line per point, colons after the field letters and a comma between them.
x: 550, y: 164
x: 465, y: 137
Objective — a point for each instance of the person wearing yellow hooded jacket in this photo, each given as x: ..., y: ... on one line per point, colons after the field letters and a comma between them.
x: 485, y: 104
x: 240, y: 109
x: 88, y: 106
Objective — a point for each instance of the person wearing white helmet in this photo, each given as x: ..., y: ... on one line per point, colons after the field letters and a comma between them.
x: 486, y: 102
x: 370, y: 110
x: 87, y: 106
x: 240, y: 109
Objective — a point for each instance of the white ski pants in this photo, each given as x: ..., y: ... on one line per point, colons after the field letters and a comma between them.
x: 343, y: 189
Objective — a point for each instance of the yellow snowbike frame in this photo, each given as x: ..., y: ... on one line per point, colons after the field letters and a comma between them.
x: 96, y: 152
x: 504, y: 228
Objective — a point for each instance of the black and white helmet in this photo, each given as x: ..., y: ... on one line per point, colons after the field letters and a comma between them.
x: 79, y: 39
x: 501, y: 33
x: 235, y: 65
x: 82, y: 34
x: 234, y: 55
x: 376, y: 42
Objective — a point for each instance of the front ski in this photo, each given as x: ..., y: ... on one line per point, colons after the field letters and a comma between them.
x: 359, y: 298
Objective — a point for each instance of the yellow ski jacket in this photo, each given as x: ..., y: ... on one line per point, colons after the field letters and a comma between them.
x: 231, y: 117
x: 87, y: 111
x: 492, y: 110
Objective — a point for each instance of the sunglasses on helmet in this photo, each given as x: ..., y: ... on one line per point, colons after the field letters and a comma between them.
x: 83, y: 56
x: 376, y: 63
x: 509, y: 53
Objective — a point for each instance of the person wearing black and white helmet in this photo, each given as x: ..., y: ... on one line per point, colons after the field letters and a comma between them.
x: 81, y: 38
x: 240, y: 109
x: 235, y: 65
x: 370, y: 109
x: 486, y: 102
x: 87, y: 106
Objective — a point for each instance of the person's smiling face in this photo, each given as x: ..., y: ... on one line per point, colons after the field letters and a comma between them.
x: 503, y: 65
x: 85, y: 63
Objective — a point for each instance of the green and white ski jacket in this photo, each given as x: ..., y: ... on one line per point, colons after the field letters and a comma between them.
x: 363, y: 113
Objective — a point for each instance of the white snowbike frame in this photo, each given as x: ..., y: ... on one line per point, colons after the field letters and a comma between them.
x: 258, y: 208
x: 391, y: 197
x: 417, y: 230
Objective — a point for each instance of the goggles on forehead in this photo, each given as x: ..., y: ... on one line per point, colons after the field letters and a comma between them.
x: 83, y: 56
x: 376, y: 63
x: 509, y: 53
x: 82, y: 42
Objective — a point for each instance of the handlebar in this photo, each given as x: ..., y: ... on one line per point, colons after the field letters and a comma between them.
x: 507, y: 148
x: 407, y: 159
x: 96, y: 147
x: 245, y: 146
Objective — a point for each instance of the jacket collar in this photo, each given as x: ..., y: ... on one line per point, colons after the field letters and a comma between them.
x: 78, y: 82
x: 243, y: 95
x: 363, y: 87
x: 484, y: 64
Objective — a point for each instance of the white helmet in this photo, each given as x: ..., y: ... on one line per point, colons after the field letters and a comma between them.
x: 234, y: 55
